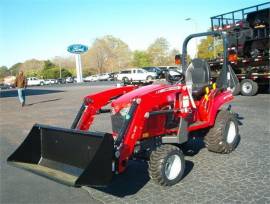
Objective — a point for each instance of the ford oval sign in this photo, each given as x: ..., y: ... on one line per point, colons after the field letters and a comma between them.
x: 77, y: 48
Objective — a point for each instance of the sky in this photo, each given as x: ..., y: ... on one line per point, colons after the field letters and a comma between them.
x: 43, y: 29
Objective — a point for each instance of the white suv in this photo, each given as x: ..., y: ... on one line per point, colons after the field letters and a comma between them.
x: 33, y: 81
x: 136, y: 74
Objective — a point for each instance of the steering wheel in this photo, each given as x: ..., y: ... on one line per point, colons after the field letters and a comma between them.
x: 174, y: 77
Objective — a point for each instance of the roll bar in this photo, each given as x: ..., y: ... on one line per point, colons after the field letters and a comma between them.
x: 223, y: 82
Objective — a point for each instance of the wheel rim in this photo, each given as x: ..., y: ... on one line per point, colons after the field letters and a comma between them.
x: 149, y: 78
x: 247, y: 87
x: 173, y: 167
x: 231, y: 133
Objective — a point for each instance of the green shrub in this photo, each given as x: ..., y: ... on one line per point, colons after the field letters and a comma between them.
x: 54, y: 73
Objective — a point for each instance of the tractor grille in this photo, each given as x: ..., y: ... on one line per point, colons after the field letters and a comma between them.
x: 117, y: 122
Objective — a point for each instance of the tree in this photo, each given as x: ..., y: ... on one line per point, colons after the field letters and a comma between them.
x: 54, y: 73
x: 159, y: 52
x: 209, y: 49
x: 31, y: 67
x: 107, y: 54
x: 4, y: 72
x: 14, y: 69
x: 48, y: 65
x: 141, y: 59
x: 32, y: 64
x: 33, y: 73
x: 67, y: 63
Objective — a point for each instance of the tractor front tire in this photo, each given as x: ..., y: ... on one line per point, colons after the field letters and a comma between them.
x: 166, y: 165
x: 224, y: 136
x: 249, y: 87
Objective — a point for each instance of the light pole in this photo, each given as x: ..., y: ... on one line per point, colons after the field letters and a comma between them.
x: 60, y: 66
x: 196, y: 31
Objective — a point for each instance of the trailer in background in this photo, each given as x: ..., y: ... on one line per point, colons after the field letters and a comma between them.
x: 248, y: 46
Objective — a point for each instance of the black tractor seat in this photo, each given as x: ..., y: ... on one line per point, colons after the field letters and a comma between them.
x: 198, y: 93
x: 200, y: 75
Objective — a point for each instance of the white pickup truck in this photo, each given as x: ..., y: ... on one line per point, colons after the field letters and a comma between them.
x: 136, y: 74
x: 33, y: 81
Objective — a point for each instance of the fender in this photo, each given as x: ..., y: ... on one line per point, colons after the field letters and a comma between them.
x: 220, y: 100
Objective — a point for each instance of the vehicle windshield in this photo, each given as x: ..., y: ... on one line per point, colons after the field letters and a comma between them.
x: 141, y: 71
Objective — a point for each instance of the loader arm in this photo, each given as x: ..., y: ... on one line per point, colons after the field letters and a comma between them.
x: 94, y: 102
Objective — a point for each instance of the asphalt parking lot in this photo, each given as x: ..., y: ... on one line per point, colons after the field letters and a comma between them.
x: 240, y: 177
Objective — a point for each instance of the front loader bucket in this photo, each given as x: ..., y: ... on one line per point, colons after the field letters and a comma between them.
x: 69, y: 156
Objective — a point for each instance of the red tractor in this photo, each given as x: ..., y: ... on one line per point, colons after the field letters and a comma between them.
x: 150, y: 122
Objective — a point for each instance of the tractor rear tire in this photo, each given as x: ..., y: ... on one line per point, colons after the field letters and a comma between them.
x: 249, y: 87
x: 166, y: 165
x: 224, y: 136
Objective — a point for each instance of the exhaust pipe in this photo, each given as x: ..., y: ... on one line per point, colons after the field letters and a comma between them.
x: 68, y: 156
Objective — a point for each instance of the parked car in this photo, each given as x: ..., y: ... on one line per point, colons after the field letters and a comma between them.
x: 91, y: 78
x: 104, y: 77
x: 165, y: 69
x: 61, y: 81
x: 4, y: 86
x: 168, y: 67
x: 136, y: 74
x: 113, y: 76
x: 49, y: 81
x: 9, y: 81
x: 69, y: 79
x: 33, y: 81
x: 156, y: 70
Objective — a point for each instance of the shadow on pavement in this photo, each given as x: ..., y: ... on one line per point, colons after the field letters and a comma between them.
x: 29, y: 92
x: 194, y: 145
x: 133, y: 179
x: 44, y: 101
x: 264, y: 90
x: 129, y: 182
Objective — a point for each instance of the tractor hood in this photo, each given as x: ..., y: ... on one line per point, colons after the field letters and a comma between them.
x: 127, y: 98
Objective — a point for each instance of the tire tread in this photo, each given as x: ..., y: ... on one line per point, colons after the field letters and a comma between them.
x: 156, y: 161
x: 214, y: 139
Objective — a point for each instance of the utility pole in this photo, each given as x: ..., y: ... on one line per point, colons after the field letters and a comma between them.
x: 60, y: 67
